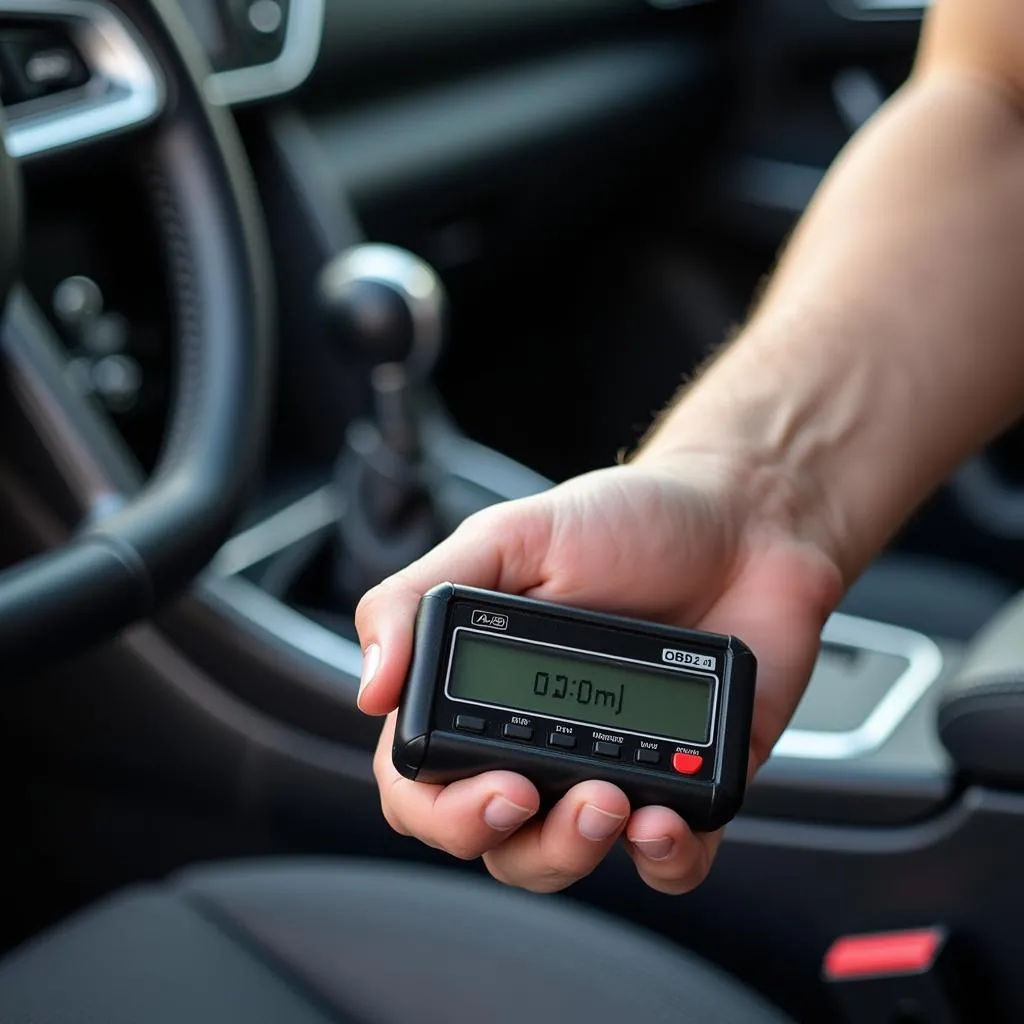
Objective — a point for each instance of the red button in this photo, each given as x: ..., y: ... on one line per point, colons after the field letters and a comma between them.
x: 687, y: 764
x: 864, y: 956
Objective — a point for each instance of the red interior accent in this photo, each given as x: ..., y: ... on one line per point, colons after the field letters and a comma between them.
x: 687, y: 764
x: 862, y: 956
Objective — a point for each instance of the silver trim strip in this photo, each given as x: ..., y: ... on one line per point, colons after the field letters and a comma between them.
x: 295, y: 522
x: 299, y: 54
x: 305, y: 635
x: 880, y: 9
x: 924, y: 667
x: 126, y: 91
x: 657, y: 666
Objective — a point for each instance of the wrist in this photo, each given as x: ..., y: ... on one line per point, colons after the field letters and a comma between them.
x: 760, y: 493
x: 777, y: 442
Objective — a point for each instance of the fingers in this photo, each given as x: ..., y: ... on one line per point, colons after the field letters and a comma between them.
x: 668, y: 856
x: 494, y: 815
x: 501, y: 548
x: 465, y: 818
x: 549, y: 855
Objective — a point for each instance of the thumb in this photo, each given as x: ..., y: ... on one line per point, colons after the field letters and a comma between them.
x: 504, y: 548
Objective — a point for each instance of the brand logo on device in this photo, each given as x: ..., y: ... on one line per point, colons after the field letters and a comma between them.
x: 492, y: 620
x: 674, y: 657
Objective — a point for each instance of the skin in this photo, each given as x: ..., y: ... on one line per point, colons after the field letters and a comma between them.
x: 888, y: 345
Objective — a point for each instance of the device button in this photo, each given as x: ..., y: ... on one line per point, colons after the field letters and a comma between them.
x: 647, y: 756
x: 517, y: 732
x: 564, y: 740
x: 687, y: 764
x: 470, y: 723
x: 602, y: 748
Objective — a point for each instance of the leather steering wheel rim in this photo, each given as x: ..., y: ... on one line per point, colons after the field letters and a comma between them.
x: 118, y: 570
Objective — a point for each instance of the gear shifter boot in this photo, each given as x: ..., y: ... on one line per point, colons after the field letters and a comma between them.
x: 388, y: 514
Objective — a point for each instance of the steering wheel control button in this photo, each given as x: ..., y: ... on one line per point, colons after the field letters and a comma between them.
x: 603, y: 748
x: 645, y: 755
x: 266, y: 16
x: 470, y: 723
x: 43, y: 63
x: 77, y: 301
x: 522, y: 733
x: 687, y: 764
x: 562, y: 740
x: 117, y: 381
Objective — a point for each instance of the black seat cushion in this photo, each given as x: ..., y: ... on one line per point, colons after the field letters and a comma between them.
x: 310, y: 942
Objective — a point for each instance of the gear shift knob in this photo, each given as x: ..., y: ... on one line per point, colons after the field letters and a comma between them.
x: 387, y: 304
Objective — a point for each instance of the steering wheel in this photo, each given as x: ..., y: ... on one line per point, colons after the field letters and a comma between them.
x: 119, y: 568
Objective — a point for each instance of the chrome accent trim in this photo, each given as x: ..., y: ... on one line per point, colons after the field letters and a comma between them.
x: 303, y: 35
x: 925, y: 666
x: 866, y: 10
x: 282, y: 622
x: 126, y: 91
x: 295, y: 522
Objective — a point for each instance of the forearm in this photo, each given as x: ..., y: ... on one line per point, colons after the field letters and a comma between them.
x: 890, y: 342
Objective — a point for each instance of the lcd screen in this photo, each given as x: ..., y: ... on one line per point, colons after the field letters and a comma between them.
x: 585, y: 688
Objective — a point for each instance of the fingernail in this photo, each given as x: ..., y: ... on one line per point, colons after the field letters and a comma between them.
x: 598, y: 825
x: 655, y: 849
x: 503, y: 815
x: 371, y: 662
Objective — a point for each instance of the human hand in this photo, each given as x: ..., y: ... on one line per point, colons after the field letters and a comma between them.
x: 694, y: 542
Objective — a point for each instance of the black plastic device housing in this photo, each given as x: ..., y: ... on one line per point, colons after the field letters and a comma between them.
x: 429, y: 748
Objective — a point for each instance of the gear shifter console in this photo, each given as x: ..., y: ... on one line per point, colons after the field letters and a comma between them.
x: 388, y: 306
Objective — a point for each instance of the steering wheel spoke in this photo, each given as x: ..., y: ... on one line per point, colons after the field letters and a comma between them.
x: 76, y: 435
x: 72, y: 71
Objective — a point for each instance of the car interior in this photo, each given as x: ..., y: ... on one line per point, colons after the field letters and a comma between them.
x: 292, y: 287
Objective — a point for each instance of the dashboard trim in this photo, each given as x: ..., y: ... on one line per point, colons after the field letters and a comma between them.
x: 878, y: 10
x: 127, y: 90
x: 925, y: 665
x: 303, y: 36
